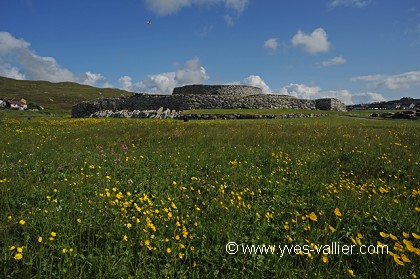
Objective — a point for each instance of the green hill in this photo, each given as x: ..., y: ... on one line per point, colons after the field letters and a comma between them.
x: 54, y: 97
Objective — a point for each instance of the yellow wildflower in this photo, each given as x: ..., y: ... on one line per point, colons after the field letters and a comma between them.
x: 384, y: 235
x: 350, y: 272
x: 410, y: 247
x: 397, y: 259
x: 22, y: 222
x: 337, y: 212
x: 313, y: 217
x: 405, y: 259
x: 18, y: 256
x: 393, y: 237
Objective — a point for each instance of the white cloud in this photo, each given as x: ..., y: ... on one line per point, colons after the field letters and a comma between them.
x: 301, y: 91
x: 334, y: 61
x: 18, y: 61
x: 191, y: 73
x: 354, y: 3
x: 160, y: 83
x: 11, y: 72
x: 126, y: 83
x: 229, y: 20
x: 316, y: 42
x: 257, y: 81
x: 206, y: 30
x: 9, y: 44
x: 304, y: 91
x: 312, y: 92
x: 400, y: 81
x: 164, y: 83
x: 92, y: 79
x: 352, y: 98
x: 272, y: 44
x: 166, y: 7
x: 364, y: 98
x: 42, y: 68
x: 237, y: 5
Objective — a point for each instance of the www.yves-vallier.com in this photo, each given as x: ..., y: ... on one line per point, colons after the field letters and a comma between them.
x: 333, y: 248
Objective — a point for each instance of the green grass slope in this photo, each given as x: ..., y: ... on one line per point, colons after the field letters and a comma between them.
x: 55, y: 97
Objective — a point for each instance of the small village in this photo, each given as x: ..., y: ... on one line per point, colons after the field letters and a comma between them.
x: 405, y: 103
x: 13, y: 104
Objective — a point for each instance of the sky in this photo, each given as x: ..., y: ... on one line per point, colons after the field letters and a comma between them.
x: 358, y: 51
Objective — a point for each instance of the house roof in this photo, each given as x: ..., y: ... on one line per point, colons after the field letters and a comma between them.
x: 14, y: 102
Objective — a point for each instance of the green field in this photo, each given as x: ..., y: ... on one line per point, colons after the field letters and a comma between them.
x: 132, y: 198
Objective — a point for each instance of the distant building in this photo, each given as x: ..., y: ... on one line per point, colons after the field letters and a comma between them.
x: 405, y: 103
x: 13, y: 104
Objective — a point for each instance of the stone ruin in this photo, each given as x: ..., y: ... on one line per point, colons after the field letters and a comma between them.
x: 200, y: 97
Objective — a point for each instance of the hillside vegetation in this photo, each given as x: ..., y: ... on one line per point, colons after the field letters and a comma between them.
x: 54, y: 97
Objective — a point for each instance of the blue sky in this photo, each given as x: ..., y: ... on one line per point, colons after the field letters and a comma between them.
x: 355, y: 50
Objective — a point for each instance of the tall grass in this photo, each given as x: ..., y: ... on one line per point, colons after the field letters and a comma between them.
x: 118, y: 198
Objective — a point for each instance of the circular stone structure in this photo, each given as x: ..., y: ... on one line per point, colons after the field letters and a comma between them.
x: 226, y: 90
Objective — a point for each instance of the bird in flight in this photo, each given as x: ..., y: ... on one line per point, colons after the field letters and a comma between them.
x: 149, y: 22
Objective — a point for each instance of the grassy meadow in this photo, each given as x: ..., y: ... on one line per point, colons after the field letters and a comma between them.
x: 132, y: 198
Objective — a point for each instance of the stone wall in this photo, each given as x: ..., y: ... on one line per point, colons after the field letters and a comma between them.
x: 330, y: 104
x: 162, y: 113
x: 180, y: 102
x: 231, y: 90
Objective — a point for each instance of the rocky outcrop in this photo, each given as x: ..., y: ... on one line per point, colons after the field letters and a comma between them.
x: 212, y: 97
